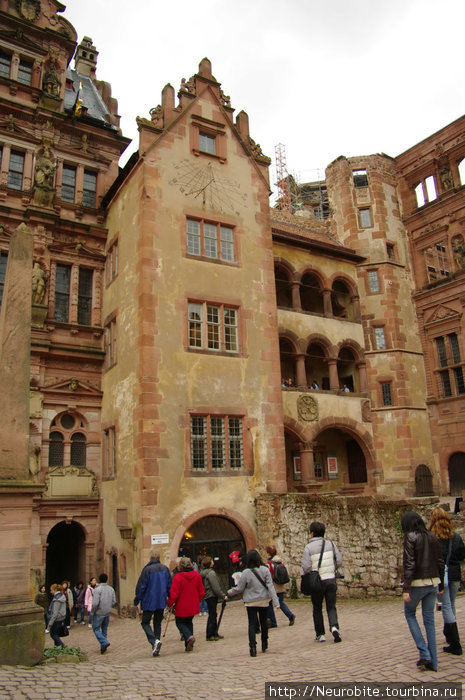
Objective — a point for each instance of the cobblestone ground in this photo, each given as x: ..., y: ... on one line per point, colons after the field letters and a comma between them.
x: 376, y: 646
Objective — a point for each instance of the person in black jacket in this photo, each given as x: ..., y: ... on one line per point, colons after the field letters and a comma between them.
x: 453, y: 552
x: 423, y: 572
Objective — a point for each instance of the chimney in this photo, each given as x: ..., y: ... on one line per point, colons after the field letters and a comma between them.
x: 85, y: 61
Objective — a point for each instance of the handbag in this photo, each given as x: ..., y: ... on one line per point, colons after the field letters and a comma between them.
x: 310, y: 583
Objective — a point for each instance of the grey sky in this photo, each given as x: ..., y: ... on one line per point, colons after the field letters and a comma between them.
x: 325, y: 78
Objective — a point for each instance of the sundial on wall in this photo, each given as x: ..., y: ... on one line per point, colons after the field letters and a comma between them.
x: 206, y: 184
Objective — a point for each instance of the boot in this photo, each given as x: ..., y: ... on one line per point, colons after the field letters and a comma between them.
x: 452, y: 636
x: 264, y: 645
x: 253, y: 649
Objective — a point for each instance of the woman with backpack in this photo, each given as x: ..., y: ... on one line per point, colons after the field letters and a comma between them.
x: 257, y: 589
x: 280, y: 578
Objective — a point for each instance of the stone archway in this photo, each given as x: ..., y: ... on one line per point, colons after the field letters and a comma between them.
x: 65, y: 553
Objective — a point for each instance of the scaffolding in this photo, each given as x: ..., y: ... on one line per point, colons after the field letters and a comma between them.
x: 282, y: 176
x: 294, y: 196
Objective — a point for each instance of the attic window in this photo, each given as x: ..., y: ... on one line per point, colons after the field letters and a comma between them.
x: 207, y: 144
x: 69, y: 84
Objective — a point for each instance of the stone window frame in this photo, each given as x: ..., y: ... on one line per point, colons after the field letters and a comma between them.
x: 360, y: 177
x: 379, y: 328
x: 391, y: 251
x: 73, y: 294
x: 80, y: 190
x: 370, y: 276
x: 450, y: 364
x: 111, y: 340
x: 386, y: 394
x: 202, y: 255
x: 13, y: 172
x: 211, y: 129
x: 210, y: 443
x: 437, y: 260
x: 365, y: 224
x: 112, y: 261
x: 109, y: 451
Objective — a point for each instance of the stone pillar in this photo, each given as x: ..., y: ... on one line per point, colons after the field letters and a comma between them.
x: 327, y: 306
x: 301, y: 377
x: 362, y: 373
x: 306, y: 462
x: 333, y: 375
x: 357, y: 310
x: 295, y: 291
x: 21, y: 621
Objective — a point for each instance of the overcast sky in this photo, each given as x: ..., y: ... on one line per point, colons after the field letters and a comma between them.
x: 324, y: 77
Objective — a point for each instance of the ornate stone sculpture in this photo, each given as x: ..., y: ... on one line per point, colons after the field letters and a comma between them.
x: 188, y: 85
x: 446, y: 178
x: 459, y: 253
x: 156, y: 114
x: 226, y: 99
x: 39, y: 281
x: 44, y: 171
x: 307, y: 408
x: 51, y: 84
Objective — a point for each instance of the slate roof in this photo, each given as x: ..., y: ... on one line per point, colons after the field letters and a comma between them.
x: 90, y: 96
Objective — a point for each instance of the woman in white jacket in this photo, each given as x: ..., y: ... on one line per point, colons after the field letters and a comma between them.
x: 257, y: 590
x: 330, y: 560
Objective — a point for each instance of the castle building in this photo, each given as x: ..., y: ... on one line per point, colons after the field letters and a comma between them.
x: 192, y: 348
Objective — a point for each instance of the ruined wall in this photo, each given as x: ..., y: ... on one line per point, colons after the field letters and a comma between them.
x: 367, y: 530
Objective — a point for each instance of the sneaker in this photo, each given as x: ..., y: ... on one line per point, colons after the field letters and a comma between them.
x: 190, y: 643
x: 291, y: 620
x: 83, y: 623
x: 156, y: 648
x: 336, y: 634
x: 46, y: 632
x: 320, y: 638
x: 89, y: 626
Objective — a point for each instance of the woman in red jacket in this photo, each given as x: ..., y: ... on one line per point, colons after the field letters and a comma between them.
x: 186, y: 593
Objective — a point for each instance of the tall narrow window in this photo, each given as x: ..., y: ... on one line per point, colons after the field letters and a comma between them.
x: 63, y: 275
x: 3, y: 262
x: 455, y: 349
x: 213, y: 327
x: 230, y: 330
x: 199, y: 442
x: 85, y: 297
x: 25, y: 73
x: 110, y: 452
x: 78, y: 450
x: 373, y: 280
x: 110, y: 343
x: 112, y: 262
x: 236, y: 457
x: 459, y: 383
x: 193, y: 237
x: 227, y: 243
x: 195, y: 325
x: 446, y: 385
x: 55, y: 449
x: 15, y: 172
x: 386, y: 393
x: 442, y: 354
x: 216, y: 443
x: 68, y: 183
x: 89, y: 188
x: 365, y: 217
x: 380, y: 339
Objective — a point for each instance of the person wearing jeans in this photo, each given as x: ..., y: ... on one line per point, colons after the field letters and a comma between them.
x: 185, y: 594
x: 423, y: 571
x: 152, y: 591
x: 103, y: 600
x: 280, y: 588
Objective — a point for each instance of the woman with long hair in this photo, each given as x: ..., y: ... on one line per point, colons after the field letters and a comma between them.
x: 57, y: 613
x: 423, y: 572
x: 453, y: 552
x: 256, y: 586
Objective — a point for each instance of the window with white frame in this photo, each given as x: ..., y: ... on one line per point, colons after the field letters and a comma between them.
x: 216, y: 443
x: 213, y: 327
x: 110, y: 342
x: 210, y: 240
x: 112, y: 262
x: 207, y: 143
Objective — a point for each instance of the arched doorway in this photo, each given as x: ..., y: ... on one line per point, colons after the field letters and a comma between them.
x: 423, y: 481
x: 457, y: 473
x: 65, y: 554
x: 216, y: 537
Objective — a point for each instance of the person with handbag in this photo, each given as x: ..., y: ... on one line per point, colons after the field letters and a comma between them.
x: 57, y: 614
x: 320, y: 560
x: 453, y: 552
x: 257, y: 590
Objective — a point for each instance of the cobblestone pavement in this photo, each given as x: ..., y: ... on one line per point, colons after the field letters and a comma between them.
x: 376, y: 646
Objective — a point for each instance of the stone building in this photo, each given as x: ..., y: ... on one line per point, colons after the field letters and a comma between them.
x: 193, y: 349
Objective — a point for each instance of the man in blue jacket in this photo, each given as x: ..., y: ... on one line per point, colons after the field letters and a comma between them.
x: 152, y: 591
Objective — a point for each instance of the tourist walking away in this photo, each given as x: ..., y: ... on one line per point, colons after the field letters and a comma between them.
x: 213, y: 591
x: 280, y: 579
x: 323, y: 556
x: 423, y: 572
x: 453, y: 552
x: 152, y: 591
x: 68, y: 593
x: 57, y: 613
x: 42, y: 599
x: 88, y: 598
x: 103, y: 600
x: 257, y: 590
x: 185, y: 594
x: 79, y: 602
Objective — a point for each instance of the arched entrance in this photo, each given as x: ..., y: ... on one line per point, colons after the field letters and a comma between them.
x: 216, y: 537
x: 65, y: 554
x: 457, y: 473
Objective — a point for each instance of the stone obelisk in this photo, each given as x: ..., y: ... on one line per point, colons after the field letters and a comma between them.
x: 21, y: 621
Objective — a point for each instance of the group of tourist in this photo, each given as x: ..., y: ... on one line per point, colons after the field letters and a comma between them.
x: 97, y: 600
x: 431, y: 572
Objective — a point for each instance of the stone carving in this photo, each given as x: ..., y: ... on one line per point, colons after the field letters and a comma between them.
x: 44, y: 171
x: 188, y: 85
x: 225, y: 99
x: 459, y: 253
x: 34, y: 458
x: 156, y: 114
x: 366, y: 411
x: 74, y: 384
x: 446, y: 178
x: 68, y: 481
x: 39, y: 281
x: 28, y: 9
x: 51, y: 83
x: 307, y: 408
